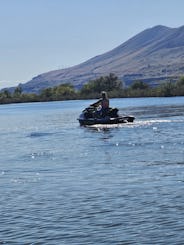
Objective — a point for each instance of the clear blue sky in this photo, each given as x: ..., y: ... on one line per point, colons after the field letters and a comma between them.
x: 43, y: 35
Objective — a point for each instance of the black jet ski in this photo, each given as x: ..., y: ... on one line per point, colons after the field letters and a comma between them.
x: 91, y: 116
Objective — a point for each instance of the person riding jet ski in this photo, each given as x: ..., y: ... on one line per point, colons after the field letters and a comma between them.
x: 100, y: 113
x: 102, y: 104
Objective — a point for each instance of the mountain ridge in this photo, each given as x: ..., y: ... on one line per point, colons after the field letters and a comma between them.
x: 155, y: 53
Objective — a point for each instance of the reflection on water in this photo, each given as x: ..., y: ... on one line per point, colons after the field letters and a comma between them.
x: 106, y: 184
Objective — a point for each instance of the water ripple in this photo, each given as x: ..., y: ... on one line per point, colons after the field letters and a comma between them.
x: 63, y: 184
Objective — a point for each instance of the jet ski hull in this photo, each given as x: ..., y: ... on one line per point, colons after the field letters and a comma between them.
x: 106, y: 120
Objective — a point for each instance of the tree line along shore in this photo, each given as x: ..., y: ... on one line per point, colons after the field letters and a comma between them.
x: 111, y: 84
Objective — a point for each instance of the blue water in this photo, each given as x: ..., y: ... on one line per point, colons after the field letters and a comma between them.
x: 64, y: 184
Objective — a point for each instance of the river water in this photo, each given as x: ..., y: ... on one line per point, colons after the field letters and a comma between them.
x: 65, y: 184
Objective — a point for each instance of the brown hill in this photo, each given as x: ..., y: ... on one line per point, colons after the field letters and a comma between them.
x: 151, y: 55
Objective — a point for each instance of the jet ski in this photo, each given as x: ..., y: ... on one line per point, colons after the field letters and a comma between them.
x: 92, y: 115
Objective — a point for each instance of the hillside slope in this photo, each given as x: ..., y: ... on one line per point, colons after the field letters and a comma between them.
x: 153, y: 54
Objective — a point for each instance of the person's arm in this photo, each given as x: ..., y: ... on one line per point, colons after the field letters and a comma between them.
x: 97, y: 103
